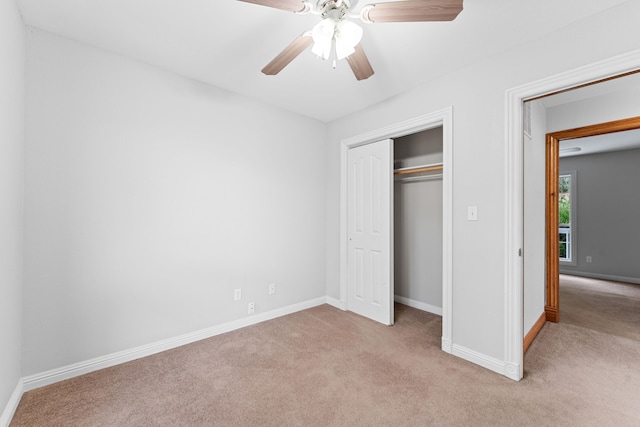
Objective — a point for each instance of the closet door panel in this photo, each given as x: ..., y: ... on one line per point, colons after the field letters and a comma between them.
x: 370, y: 219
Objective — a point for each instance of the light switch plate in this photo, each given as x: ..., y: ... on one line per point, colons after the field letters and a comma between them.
x: 472, y: 213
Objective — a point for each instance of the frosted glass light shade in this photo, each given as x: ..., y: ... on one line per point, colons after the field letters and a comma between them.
x: 348, y: 35
x: 343, y: 49
x: 322, y: 35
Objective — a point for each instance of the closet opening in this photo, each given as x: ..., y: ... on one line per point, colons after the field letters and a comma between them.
x: 418, y: 220
x: 424, y: 166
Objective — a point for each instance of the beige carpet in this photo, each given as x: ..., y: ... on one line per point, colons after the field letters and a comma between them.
x: 326, y: 367
x: 610, y: 307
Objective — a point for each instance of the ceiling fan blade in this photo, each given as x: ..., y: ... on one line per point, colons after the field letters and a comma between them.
x: 413, y: 11
x: 290, y: 5
x: 359, y: 64
x: 289, y: 53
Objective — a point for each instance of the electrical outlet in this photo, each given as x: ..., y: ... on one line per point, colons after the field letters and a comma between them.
x: 272, y: 288
x: 589, y: 259
x: 252, y: 308
x: 237, y: 294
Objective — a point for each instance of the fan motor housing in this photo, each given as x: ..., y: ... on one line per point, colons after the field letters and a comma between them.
x: 326, y: 6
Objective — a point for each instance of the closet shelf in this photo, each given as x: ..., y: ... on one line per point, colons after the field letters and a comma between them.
x: 418, y: 169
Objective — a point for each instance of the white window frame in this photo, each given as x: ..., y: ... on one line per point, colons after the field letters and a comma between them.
x: 573, y: 260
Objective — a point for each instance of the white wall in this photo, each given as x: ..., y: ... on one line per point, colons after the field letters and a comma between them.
x: 12, y: 82
x: 418, y: 222
x: 534, y: 217
x: 599, y: 109
x: 477, y: 94
x: 607, y: 214
x: 150, y: 197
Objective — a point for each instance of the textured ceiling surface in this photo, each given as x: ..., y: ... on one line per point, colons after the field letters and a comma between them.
x: 226, y: 43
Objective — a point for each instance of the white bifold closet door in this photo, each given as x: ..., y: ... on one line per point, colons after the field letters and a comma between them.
x: 370, y: 231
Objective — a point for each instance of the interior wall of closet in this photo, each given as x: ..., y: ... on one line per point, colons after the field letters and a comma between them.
x: 418, y: 220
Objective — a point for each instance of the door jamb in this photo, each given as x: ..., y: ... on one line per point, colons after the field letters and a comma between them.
x: 438, y: 118
x: 552, y: 305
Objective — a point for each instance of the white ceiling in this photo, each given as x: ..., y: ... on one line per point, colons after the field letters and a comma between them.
x: 226, y: 43
x: 618, y: 141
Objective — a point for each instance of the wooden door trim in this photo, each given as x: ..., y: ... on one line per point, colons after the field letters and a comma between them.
x: 533, y: 332
x: 552, y: 303
x: 552, y: 239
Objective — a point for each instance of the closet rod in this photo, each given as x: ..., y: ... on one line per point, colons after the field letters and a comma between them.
x: 418, y: 169
x: 419, y: 178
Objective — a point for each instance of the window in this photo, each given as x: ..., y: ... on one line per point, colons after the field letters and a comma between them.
x: 567, y: 217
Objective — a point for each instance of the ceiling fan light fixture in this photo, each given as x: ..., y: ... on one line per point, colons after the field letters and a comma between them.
x: 339, y: 38
x: 322, y: 50
x: 343, y: 50
x: 570, y: 150
x: 348, y: 35
x: 322, y: 35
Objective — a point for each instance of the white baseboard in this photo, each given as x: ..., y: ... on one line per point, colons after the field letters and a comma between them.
x: 419, y: 305
x: 509, y: 370
x: 446, y: 345
x: 49, y: 377
x: 397, y: 298
x: 12, y: 405
x: 336, y: 303
x: 610, y: 277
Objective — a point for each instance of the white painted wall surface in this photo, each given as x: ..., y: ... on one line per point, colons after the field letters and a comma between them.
x: 534, y: 217
x: 418, y: 221
x: 12, y: 83
x: 608, y: 210
x: 599, y: 109
x: 150, y: 198
x: 477, y: 94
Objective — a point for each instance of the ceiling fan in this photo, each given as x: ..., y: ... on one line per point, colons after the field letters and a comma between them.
x: 339, y: 37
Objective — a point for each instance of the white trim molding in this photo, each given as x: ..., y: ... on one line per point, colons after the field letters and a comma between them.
x: 491, y: 363
x: 336, y: 303
x: 447, y: 347
x: 418, y: 305
x: 573, y: 219
x: 438, y: 118
x: 514, y: 99
x: 12, y: 405
x: 49, y: 377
